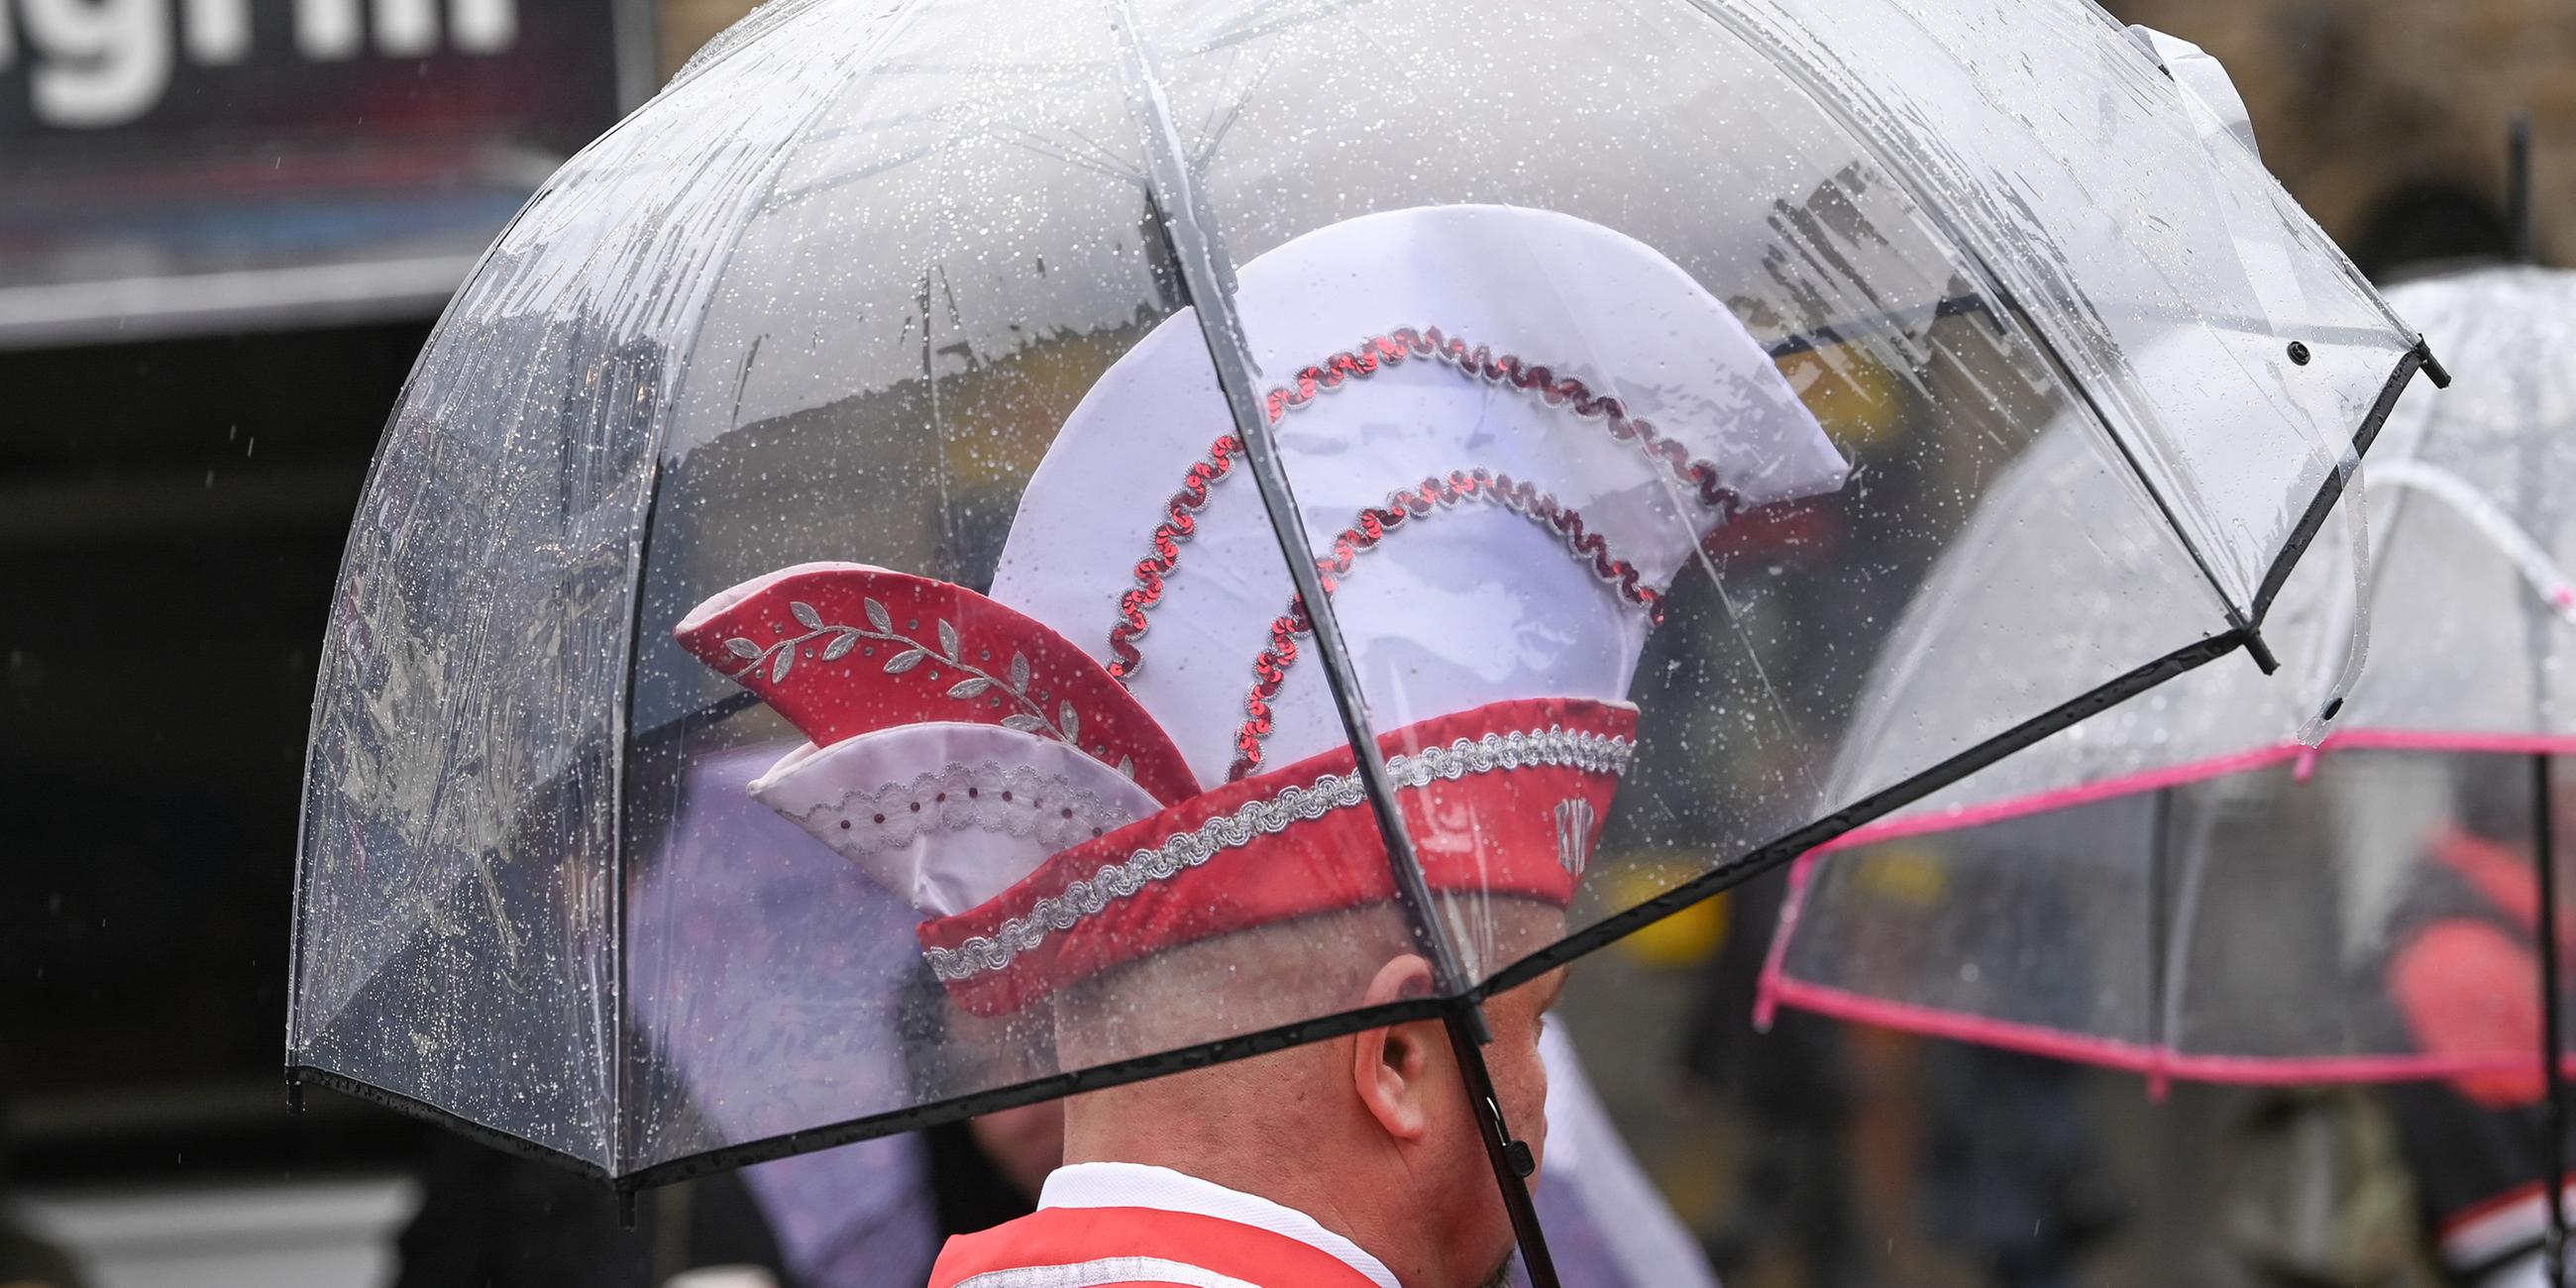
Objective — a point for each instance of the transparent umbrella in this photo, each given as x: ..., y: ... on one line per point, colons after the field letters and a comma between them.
x: 939, y: 385
x: 2183, y: 887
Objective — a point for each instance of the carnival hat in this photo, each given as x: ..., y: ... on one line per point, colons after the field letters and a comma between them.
x: 1506, y: 429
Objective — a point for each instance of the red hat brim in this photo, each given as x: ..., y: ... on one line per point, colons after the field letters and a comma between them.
x: 1505, y: 800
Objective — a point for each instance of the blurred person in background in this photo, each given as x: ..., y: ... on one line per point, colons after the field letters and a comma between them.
x: 2010, y: 1180
x: 2316, y: 1191
x: 2425, y: 1182
x: 2465, y: 980
x: 1792, y: 1088
x: 1607, y: 1225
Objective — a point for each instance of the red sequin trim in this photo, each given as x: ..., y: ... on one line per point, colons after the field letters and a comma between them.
x: 1391, y: 349
x: 1508, y: 370
x: 1270, y: 670
x: 1180, y: 522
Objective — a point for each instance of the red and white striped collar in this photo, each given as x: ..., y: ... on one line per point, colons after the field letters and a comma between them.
x: 2498, y: 1232
x: 1139, y: 1185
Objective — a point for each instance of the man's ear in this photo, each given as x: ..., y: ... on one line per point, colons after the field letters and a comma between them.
x: 1390, y: 1066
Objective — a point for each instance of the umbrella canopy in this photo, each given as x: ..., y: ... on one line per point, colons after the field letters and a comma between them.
x: 939, y: 384
x: 2182, y: 886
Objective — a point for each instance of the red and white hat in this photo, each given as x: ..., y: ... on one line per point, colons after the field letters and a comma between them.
x: 1506, y: 430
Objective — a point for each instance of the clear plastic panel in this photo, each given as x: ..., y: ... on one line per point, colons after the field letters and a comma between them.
x: 2296, y: 882
x: 2038, y: 923
x: 2167, y: 270
x: 456, y: 918
x: 2384, y: 904
x: 2475, y: 547
x: 2371, y: 916
x: 1977, y: 649
x: 2470, y: 606
x: 815, y: 650
x: 922, y: 388
x: 1500, y: 375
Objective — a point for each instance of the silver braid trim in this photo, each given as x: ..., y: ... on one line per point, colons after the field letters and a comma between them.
x: 1553, y: 746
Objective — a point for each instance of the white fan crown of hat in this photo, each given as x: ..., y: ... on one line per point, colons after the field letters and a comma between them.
x: 1467, y: 607
x: 1463, y: 607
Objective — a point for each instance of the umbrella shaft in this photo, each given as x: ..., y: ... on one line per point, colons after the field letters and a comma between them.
x: 1509, y: 1156
x: 2553, y: 1075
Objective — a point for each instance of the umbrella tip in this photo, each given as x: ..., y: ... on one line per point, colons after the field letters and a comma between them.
x: 2432, y: 366
x: 2256, y: 649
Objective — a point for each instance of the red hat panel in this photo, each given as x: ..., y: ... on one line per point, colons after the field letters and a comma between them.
x: 1505, y: 800
x: 848, y: 649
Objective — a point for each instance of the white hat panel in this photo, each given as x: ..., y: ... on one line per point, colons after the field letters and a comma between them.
x: 1468, y: 604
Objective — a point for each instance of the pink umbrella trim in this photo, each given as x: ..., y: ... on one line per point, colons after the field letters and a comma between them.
x: 1776, y: 987
x: 2155, y: 1061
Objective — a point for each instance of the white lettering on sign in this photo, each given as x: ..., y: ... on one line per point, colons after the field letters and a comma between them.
x: 406, y: 28
x: 98, y: 63
x: 216, y: 31
x: 327, y: 30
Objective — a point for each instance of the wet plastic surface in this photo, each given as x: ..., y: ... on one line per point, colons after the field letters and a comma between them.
x: 1633, y: 385
x: 2182, y: 885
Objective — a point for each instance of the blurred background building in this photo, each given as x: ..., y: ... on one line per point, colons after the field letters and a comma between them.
x: 225, y: 228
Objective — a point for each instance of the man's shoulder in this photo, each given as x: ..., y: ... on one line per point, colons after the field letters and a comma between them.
x: 1104, y: 1247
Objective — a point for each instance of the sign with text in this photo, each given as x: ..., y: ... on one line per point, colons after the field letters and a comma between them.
x: 98, y: 70
x: 183, y: 164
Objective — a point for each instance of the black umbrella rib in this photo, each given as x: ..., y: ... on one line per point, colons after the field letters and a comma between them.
x: 1839, y: 333
x: 955, y: 1109
x: 2419, y: 358
x: 1776, y: 853
x: 301, y: 1075
x: 2553, y: 1110
x: 1161, y: 1064
x: 1189, y: 235
x: 1053, y: 1087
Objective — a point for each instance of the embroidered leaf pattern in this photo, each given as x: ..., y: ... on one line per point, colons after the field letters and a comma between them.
x: 838, y: 640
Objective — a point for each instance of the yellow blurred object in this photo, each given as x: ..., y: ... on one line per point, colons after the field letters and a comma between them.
x: 1686, y: 938
x: 997, y: 418
x: 1853, y: 396
x: 1904, y: 874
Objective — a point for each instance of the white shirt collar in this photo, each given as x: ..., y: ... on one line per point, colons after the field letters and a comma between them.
x: 1100, y: 1185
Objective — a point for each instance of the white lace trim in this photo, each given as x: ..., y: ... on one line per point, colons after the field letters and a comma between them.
x: 1555, y: 745
x: 989, y: 796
